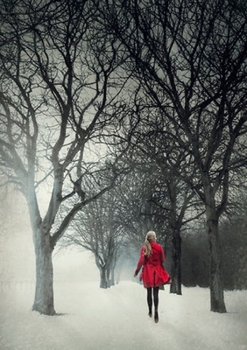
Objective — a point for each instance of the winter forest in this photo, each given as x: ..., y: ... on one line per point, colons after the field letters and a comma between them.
x: 116, y: 118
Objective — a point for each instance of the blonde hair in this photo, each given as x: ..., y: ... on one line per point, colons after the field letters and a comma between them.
x: 150, y: 237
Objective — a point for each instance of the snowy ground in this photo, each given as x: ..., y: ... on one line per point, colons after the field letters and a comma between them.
x: 90, y: 318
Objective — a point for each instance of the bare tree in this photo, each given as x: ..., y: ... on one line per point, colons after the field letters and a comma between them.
x: 191, y: 59
x: 59, y: 96
x: 95, y: 229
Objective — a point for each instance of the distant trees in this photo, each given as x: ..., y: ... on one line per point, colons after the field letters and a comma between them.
x: 137, y: 212
x: 95, y: 229
x: 117, y: 222
x: 191, y: 59
x: 194, y: 259
x: 233, y: 240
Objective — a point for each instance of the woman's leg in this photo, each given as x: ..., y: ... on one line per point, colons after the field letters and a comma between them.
x: 156, y: 303
x: 149, y: 301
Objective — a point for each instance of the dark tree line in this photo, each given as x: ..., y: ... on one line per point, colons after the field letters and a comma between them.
x: 233, y: 240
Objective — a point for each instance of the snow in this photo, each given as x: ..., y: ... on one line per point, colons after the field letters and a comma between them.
x: 91, y: 318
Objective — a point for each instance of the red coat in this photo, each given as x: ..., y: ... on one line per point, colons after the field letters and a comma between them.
x: 153, y: 272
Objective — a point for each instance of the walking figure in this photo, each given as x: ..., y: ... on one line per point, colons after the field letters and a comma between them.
x: 153, y: 274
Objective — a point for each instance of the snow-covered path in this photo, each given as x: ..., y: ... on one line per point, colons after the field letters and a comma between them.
x: 91, y: 318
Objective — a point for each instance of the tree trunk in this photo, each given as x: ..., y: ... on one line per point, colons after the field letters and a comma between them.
x: 216, y: 286
x: 176, y: 239
x: 103, y: 277
x: 176, y: 264
x: 112, y: 276
x: 108, y: 276
x: 44, y: 296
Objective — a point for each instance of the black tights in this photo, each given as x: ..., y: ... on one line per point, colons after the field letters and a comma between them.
x: 155, y: 296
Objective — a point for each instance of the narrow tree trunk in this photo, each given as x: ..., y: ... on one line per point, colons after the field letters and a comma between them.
x: 176, y: 264
x: 44, y: 296
x: 112, y: 276
x: 176, y: 240
x: 108, y: 276
x: 216, y: 285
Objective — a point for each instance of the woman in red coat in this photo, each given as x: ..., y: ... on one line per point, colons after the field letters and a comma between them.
x: 153, y: 273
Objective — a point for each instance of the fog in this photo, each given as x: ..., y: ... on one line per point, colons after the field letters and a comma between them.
x: 70, y: 265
